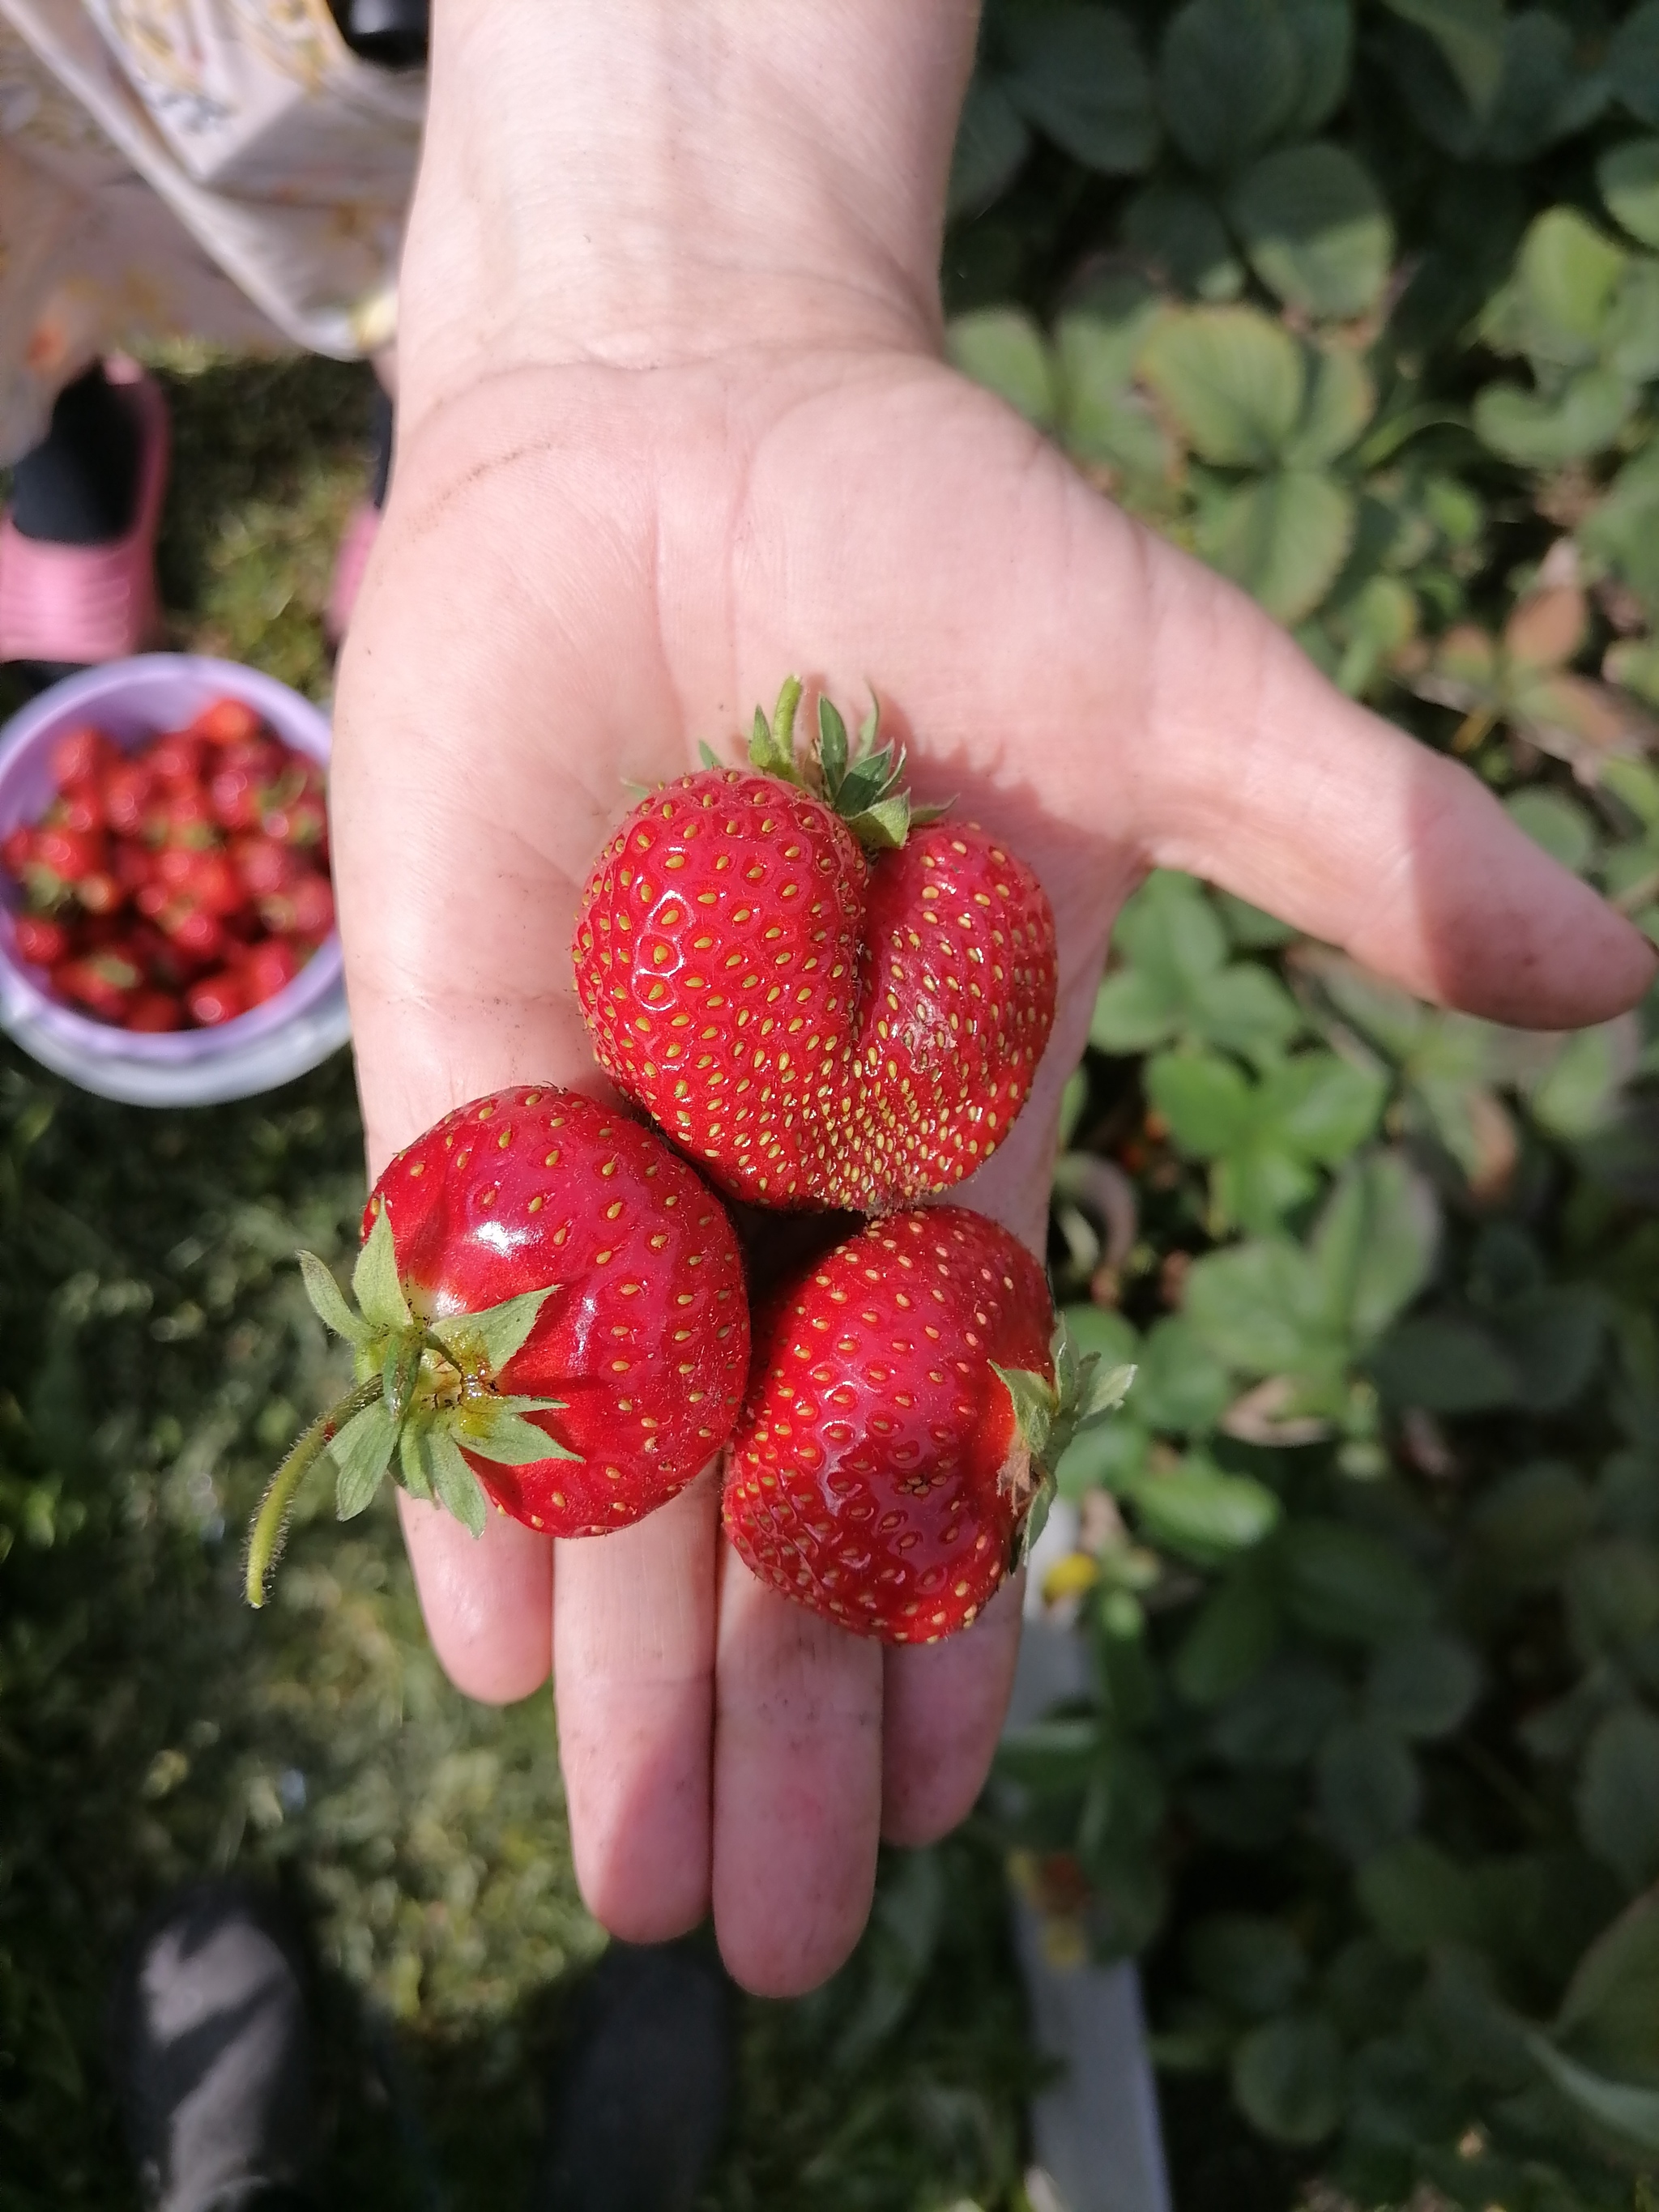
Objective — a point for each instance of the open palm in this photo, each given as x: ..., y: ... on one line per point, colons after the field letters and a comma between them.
x: 583, y: 572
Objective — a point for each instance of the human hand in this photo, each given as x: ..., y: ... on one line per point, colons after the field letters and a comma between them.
x: 636, y: 485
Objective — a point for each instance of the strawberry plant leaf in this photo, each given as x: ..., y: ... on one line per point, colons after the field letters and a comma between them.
x: 1104, y: 1390
x: 494, y: 1334
x: 453, y: 1483
x: 328, y: 1301
x: 362, y: 1453
x: 375, y: 1278
x: 500, y: 1434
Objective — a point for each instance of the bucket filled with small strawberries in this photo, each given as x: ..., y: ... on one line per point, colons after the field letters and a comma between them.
x: 819, y: 1001
x: 164, y: 867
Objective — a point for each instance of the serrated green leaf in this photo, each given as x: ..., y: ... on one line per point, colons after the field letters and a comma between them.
x: 453, y: 1483
x: 1633, y: 61
x: 1470, y: 36
x: 991, y: 144
x: 1324, y: 33
x: 1002, y: 349
x: 1316, y: 228
x: 329, y: 1302
x: 1340, y: 400
x: 1197, y: 1511
x: 1104, y: 1391
x: 495, y: 1336
x: 1284, y: 538
x: 1180, y: 232
x: 362, y: 1454
x: 1619, y: 2108
x: 1628, y: 176
x: 374, y: 1283
x: 1367, y: 1788
x: 1617, y: 1799
x: 1231, y: 378
x: 1078, y: 75
x: 1229, y: 74
x: 498, y: 1433
x: 1609, y: 2017
x: 1422, y: 1684
x: 1287, y: 2078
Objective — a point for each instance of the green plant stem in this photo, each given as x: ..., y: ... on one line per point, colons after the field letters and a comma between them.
x: 267, y: 1529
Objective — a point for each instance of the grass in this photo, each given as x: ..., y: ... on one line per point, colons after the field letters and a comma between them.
x: 154, y: 1356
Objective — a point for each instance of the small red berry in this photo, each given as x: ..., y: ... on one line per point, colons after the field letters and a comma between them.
x: 218, y: 997
x: 152, y: 1012
x: 267, y: 967
x: 40, y: 942
x: 80, y: 755
x: 227, y: 721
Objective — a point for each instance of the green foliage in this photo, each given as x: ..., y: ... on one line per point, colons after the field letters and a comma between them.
x: 1371, y: 1562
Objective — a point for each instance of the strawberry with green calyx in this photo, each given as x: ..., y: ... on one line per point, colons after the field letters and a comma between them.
x: 550, y: 1318
x: 827, y: 997
x: 910, y: 1397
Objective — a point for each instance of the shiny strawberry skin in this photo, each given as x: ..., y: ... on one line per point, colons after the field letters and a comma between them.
x: 817, y: 1028
x: 874, y: 1473
x: 646, y: 1334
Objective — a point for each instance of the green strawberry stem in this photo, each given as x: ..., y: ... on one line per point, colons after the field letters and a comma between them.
x: 264, y: 1538
x: 1047, y: 1417
x: 426, y: 1396
x: 863, y: 784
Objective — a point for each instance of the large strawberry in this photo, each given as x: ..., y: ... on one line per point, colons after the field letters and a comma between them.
x: 826, y: 998
x: 551, y: 1313
x: 909, y: 1399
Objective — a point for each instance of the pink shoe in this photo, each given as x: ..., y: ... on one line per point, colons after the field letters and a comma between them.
x: 84, y: 603
x: 356, y: 544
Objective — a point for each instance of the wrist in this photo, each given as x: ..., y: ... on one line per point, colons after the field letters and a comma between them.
x: 658, y: 179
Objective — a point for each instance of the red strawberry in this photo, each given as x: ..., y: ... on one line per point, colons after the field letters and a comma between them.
x: 17, y: 848
x: 217, y: 999
x: 824, y: 1003
x: 101, y: 982
x: 227, y: 722
x: 80, y: 806
x: 128, y: 786
x: 267, y: 967
x: 264, y: 865
x: 40, y: 942
x: 305, y: 909
x: 552, y: 1307
x: 80, y: 755
x: 152, y: 1012
x: 905, y: 1410
x: 177, y: 759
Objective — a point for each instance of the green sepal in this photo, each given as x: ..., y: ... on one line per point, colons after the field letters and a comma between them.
x: 832, y: 746
x: 884, y: 826
x: 399, y: 1372
x: 1035, y: 1521
x: 1035, y: 1403
x: 489, y: 1339
x: 870, y: 727
x: 362, y: 1453
x: 328, y: 1301
x: 707, y: 755
x: 457, y: 1489
x: 375, y: 1278
x: 413, y: 1469
x: 497, y: 1433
